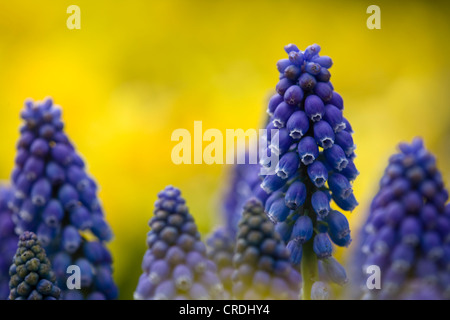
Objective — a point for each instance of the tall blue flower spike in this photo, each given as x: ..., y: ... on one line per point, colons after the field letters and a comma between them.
x: 32, y: 277
x: 8, y: 240
x: 316, y: 152
x: 407, y: 232
x: 244, y: 182
x: 175, y: 266
x: 262, y: 269
x: 55, y: 198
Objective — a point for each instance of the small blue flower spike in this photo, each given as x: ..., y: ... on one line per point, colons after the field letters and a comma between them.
x: 316, y: 166
x: 32, y: 277
x: 175, y: 265
x: 244, y: 182
x: 407, y: 231
x: 55, y: 198
x: 262, y: 269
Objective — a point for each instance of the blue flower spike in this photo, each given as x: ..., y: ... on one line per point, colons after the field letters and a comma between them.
x: 262, y: 269
x: 407, y: 231
x: 32, y: 277
x: 175, y: 265
x: 55, y: 198
x: 316, y: 166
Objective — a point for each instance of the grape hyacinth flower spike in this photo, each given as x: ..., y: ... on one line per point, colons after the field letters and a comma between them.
x: 262, y: 269
x: 407, y: 232
x: 32, y: 277
x: 316, y: 153
x: 8, y: 240
x: 243, y: 183
x: 56, y: 199
x: 175, y: 266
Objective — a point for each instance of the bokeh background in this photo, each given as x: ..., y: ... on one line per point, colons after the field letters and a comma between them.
x: 137, y: 70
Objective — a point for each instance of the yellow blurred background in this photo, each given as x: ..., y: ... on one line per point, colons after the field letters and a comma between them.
x: 137, y: 70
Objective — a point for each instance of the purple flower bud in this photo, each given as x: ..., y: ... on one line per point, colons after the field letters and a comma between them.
x: 87, y: 272
x: 272, y: 183
x: 21, y: 157
x: 334, y: 271
x: 292, y: 72
x: 274, y: 101
x: 77, y: 177
x: 338, y: 227
x: 284, y: 142
x: 322, y: 246
x: 80, y: 217
x: 41, y: 192
x: 324, y: 61
x: 413, y: 201
x: 318, y: 173
x: 278, y: 211
x: 45, y: 234
x: 324, y: 134
x: 350, y: 171
x: 324, y: 75
x: 159, y: 271
x: 34, y: 168
x: 283, y: 85
x: 297, y: 125
x: 28, y: 211
x: 296, y: 58
x: 334, y: 117
x: 345, y: 141
x: 311, y: 51
x: 307, y: 81
x: 283, y: 64
x: 320, y: 203
x: 39, y: 148
x: 22, y: 186
x: 53, y: 213
x: 293, y: 96
x: 288, y: 165
x: 431, y: 245
x: 308, y: 150
x: 312, y: 68
x: 284, y: 230
x: 314, y: 107
x: 89, y: 198
x: 71, y: 239
x: 291, y: 48
x: 336, y: 157
x: 62, y: 154
x: 68, y: 196
x: 55, y: 173
x: 100, y: 228
x: 295, y: 248
x: 295, y: 195
x: 274, y: 196
x: 336, y: 100
x: 282, y: 114
x: 324, y: 91
x: 346, y: 204
x: 402, y: 257
x: 303, y: 229
x: 340, y: 185
x: 410, y: 231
